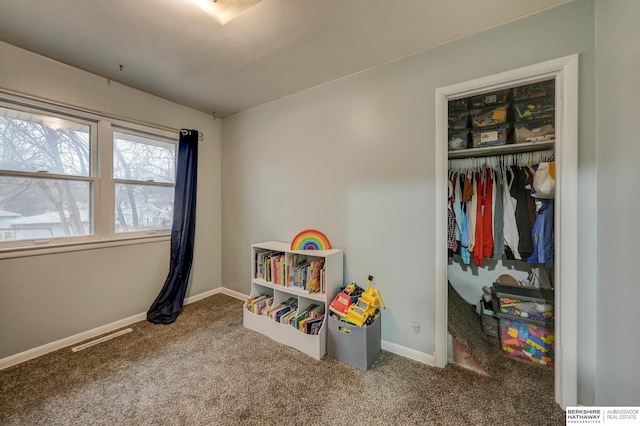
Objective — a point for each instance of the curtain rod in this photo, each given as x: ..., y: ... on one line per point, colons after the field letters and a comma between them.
x: 12, y: 94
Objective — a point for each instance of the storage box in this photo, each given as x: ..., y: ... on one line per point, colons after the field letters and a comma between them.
x: 489, y: 323
x: 458, y: 139
x: 533, y: 109
x: 353, y: 345
x: 528, y: 303
x: 489, y: 116
x: 493, y: 98
x: 490, y: 136
x: 530, y: 340
x: 534, y: 90
x: 458, y: 119
x: 458, y: 105
x: 534, y: 130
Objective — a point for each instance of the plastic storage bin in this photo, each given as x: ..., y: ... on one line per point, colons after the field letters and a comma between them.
x: 533, y: 109
x: 489, y: 323
x: 458, y: 139
x: 486, y: 99
x: 528, y: 303
x: 458, y: 119
x: 534, y: 130
x: 458, y: 105
x: 534, y: 90
x: 489, y: 116
x: 490, y: 136
x: 530, y: 340
x: 353, y: 345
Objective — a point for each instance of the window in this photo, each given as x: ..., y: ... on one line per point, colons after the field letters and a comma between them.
x: 68, y: 177
x: 144, y: 176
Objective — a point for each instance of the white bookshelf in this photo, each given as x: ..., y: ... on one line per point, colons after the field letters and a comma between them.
x: 312, y: 345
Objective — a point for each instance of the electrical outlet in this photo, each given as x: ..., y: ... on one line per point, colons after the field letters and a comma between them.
x: 416, y: 326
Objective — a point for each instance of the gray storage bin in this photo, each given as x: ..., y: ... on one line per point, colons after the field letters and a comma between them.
x: 353, y: 345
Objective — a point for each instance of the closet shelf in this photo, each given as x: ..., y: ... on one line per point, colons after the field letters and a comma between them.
x: 502, y: 149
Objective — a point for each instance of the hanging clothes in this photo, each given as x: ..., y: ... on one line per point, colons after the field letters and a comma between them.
x: 511, y: 234
x: 498, y: 220
x: 492, y: 211
x: 476, y: 253
x: 519, y: 192
x: 467, y: 195
x: 483, y: 244
x: 487, y: 217
x: 542, y: 234
x: 451, y: 225
x: 473, y: 205
x: 457, y: 206
x: 544, y: 184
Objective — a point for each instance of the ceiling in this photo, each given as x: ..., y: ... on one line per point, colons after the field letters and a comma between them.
x: 173, y: 49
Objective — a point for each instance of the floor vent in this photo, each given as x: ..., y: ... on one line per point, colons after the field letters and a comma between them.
x: 101, y: 339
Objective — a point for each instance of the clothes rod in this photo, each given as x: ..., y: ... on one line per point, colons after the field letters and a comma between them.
x: 498, y: 161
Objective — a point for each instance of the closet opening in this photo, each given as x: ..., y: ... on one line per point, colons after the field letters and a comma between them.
x: 484, y: 113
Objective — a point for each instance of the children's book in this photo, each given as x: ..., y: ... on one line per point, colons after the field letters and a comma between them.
x: 296, y: 321
x: 288, y: 317
x: 259, y: 268
x: 313, y: 325
x: 315, y: 310
x: 251, y: 301
x: 261, y: 307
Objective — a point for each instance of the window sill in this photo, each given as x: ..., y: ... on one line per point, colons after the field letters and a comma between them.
x: 13, y: 253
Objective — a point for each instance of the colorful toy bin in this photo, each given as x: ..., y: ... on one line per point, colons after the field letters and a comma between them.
x: 527, y: 339
x: 526, y: 322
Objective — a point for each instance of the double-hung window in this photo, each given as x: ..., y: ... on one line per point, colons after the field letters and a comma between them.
x: 69, y: 177
x: 144, y: 177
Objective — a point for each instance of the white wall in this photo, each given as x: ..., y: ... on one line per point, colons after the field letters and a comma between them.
x: 51, y: 297
x: 618, y: 62
x: 354, y: 158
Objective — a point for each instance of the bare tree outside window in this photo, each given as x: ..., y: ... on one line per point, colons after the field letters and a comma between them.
x: 44, y: 176
x: 48, y: 188
x: 144, y: 171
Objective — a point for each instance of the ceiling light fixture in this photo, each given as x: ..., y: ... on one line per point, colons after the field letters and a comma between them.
x: 225, y: 10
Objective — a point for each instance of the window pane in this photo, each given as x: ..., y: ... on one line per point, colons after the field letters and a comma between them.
x: 32, y: 208
x: 32, y: 143
x: 143, y: 207
x: 141, y: 158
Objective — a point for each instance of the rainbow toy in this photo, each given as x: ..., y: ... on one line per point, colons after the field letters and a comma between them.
x: 310, y: 239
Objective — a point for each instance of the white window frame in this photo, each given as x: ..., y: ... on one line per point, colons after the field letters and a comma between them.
x: 128, y: 128
x: 101, y: 178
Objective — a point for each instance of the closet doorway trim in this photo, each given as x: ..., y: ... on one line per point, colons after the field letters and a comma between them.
x: 565, y: 72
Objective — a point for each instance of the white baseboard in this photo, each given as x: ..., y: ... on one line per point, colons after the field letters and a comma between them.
x: 409, y: 353
x: 107, y: 328
x: 201, y: 296
x: 233, y: 293
x: 69, y: 341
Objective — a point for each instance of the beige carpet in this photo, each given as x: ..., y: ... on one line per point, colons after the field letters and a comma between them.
x: 206, y: 369
x: 465, y: 325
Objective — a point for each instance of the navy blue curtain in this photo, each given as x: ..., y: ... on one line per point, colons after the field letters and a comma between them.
x: 169, y: 302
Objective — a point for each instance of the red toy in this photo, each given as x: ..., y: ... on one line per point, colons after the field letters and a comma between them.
x: 340, y: 304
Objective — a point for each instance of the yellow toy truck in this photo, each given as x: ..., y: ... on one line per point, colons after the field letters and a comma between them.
x: 366, y: 306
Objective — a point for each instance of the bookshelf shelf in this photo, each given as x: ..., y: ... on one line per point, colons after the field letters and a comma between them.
x: 278, y: 283
x: 291, y: 290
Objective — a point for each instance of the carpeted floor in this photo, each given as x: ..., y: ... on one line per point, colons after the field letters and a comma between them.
x: 206, y: 369
x: 465, y: 325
